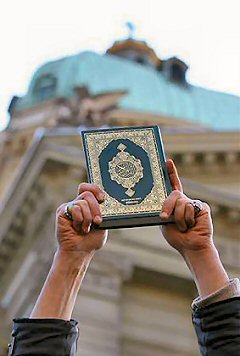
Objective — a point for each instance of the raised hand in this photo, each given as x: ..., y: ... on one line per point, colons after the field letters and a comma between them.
x: 77, y: 240
x: 75, y: 233
x: 192, y: 236
x: 193, y: 226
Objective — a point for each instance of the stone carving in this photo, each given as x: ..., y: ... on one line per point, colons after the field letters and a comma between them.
x: 86, y: 109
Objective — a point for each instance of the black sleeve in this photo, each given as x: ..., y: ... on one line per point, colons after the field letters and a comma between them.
x: 48, y: 337
x: 218, y: 328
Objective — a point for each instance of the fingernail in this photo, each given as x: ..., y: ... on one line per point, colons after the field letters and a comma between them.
x: 164, y: 215
x: 101, y: 196
x: 97, y: 219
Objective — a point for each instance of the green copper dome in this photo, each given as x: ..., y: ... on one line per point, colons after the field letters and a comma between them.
x: 148, y: 89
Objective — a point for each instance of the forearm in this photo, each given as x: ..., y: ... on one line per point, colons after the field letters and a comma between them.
x: 207, y: 270
x: 59, y: 292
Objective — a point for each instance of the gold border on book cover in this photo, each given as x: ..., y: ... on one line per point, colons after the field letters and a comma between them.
x: 96, y: 142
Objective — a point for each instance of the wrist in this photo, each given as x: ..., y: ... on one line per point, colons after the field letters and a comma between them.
x: 72, y: 259
x: 194, y: 257
x: 207, y: 270
x: 60, y: 290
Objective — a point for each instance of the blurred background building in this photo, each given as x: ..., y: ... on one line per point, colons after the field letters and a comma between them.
x: 136, y: 299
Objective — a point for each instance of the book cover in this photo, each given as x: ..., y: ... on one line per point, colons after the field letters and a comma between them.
x: 129, y: 164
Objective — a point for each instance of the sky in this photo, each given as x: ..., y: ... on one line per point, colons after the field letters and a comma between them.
x: 205, y: 34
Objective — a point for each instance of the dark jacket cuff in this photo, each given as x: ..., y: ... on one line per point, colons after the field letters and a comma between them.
x: 218, y: 328
x: 48, y: 337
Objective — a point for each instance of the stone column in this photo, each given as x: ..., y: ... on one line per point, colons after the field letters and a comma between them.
x: 98, y: 307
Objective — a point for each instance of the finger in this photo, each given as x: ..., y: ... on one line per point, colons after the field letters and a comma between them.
x: 198, y: 207
x: 93, y: 205
x: 173, y: 175
x: 179, y: 214
x: 205, y: 207
x: 87, y: 215
x: 189, y: 215
x: 60, y: 210
x: 99, y: 194
x: 76, y: 214
x: 169, y: 204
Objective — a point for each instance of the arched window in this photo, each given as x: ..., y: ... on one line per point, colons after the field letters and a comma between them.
x: 45, y: 87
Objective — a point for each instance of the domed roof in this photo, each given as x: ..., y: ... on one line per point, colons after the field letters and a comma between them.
x: 149, y: 90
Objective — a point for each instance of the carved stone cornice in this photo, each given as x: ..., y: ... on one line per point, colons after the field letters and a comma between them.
x: 213, y: 156
x: 149, y: 250
x: 28, y: 199
x: 203, y: 149
x: 123, y: 117
x: 24, y: 226
x: 82, y: 108
x: 220, y: 201
x: 201, y: 141
x: 207, y: 160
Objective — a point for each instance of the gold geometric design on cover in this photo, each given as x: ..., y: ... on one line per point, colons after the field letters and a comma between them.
x: 125, y: 169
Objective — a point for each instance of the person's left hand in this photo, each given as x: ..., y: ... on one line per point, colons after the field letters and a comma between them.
x: 191, y: 232
x: 78, y: 235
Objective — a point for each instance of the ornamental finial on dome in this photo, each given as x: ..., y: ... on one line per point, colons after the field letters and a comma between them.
x: 131, y: 29
x: 134, y: 49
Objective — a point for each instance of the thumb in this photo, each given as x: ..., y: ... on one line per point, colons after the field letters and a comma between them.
x: 173, y: 175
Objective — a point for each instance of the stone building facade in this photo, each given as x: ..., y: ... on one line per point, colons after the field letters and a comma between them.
x: 137, y: 294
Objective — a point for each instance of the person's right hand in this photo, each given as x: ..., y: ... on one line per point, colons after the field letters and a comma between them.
x: 190, y: 232
x: 78, y: 235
